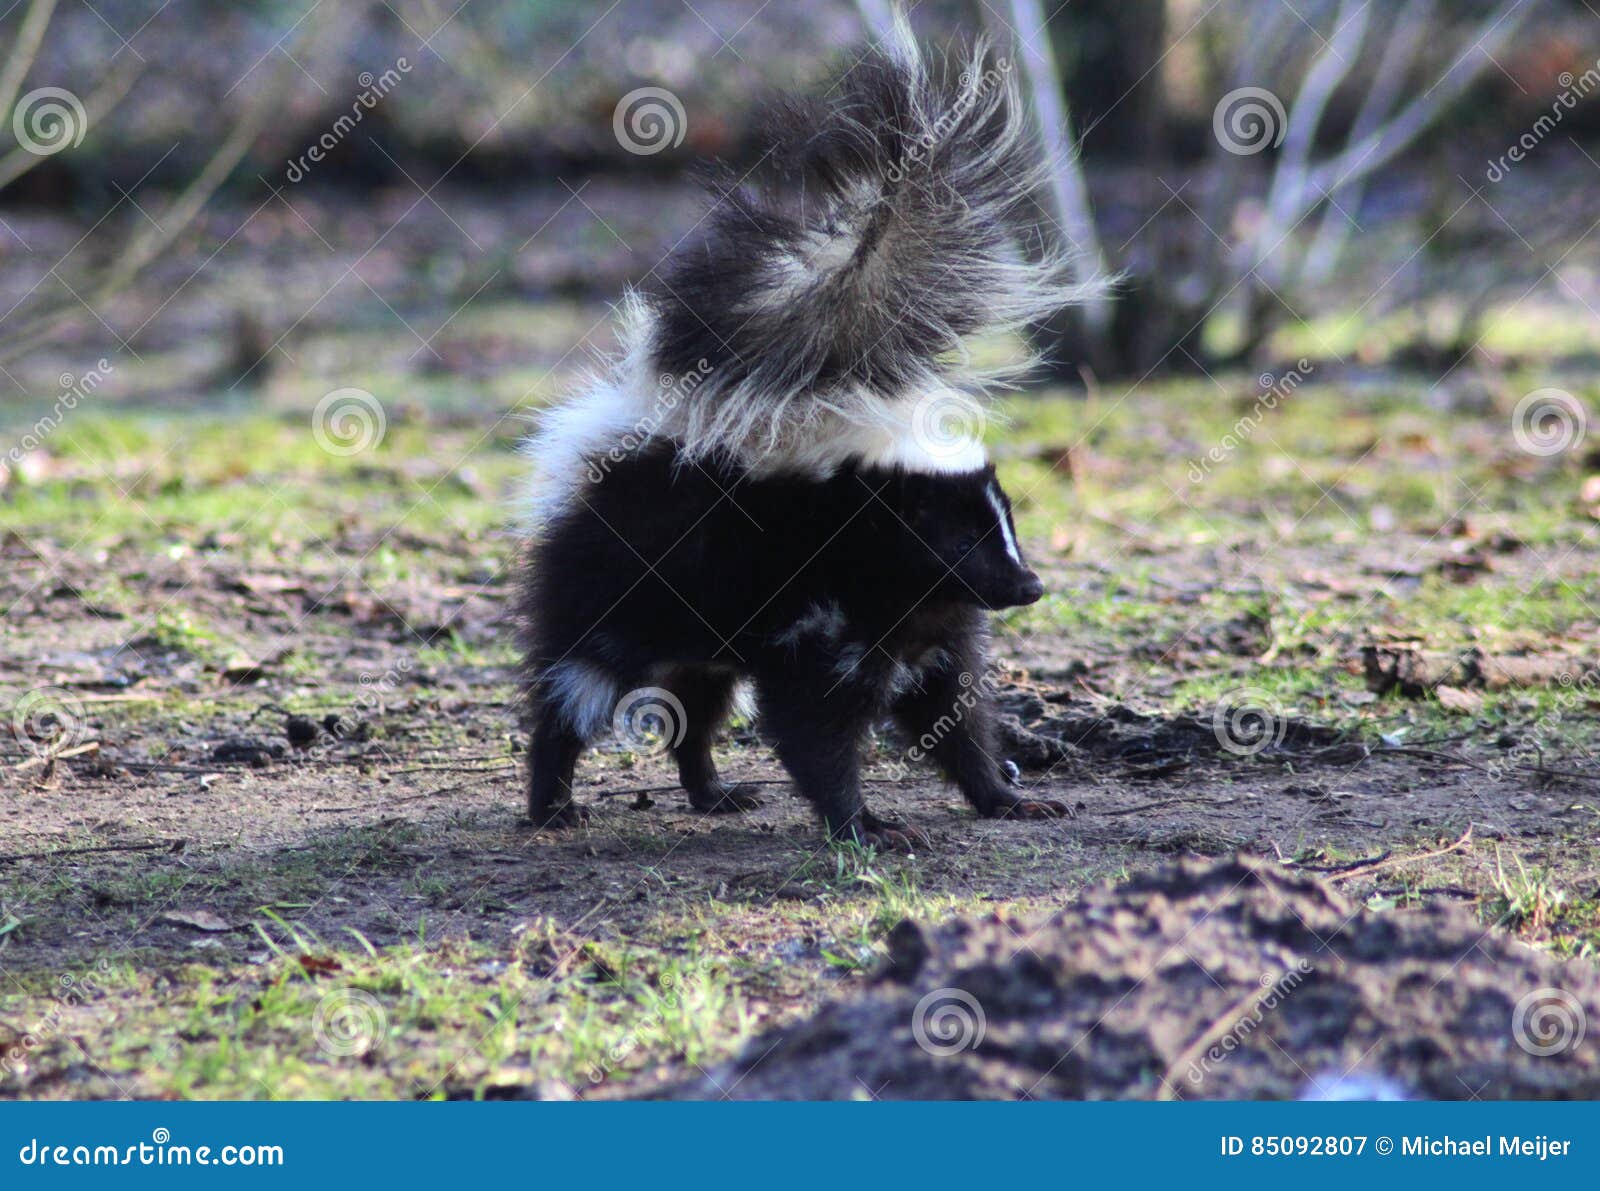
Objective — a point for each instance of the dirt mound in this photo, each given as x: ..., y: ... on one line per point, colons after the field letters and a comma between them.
x: 1229, y: 980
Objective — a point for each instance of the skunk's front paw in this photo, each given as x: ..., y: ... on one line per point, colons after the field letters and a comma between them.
x: 556, y: 818
x: 1014, y: 806
x: 722, y: 799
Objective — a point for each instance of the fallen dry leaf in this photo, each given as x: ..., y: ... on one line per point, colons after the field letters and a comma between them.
x: 1455, y: 699
x: 320, y: 965
x: 199, y: 919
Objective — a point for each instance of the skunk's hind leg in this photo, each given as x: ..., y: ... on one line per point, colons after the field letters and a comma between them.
x: 552, y: 760
x: 568, y: 704
x: 707, y: 695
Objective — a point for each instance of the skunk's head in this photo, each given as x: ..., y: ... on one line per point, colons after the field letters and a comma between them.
x: 962, y: 539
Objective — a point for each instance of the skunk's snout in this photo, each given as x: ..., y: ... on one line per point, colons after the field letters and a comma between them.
x: 1013, y: 587
x: 1023, y: 588
x: 1030, y: 588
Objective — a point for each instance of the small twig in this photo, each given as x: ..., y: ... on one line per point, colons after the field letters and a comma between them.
x: 503, y: 767
x: 442, y: 790
x: 143, y: 767
x: 1361, y: 870
x: 171, y: 845
x: 636, y: 790
x: 92, y: 746
x: 1340, y: 870
x: 1431, y: 755
x: 1165, y: 802
x: 1545, y: 771
x: 1454, y: 759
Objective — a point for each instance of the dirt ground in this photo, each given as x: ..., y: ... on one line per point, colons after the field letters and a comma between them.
x: 417, y: 784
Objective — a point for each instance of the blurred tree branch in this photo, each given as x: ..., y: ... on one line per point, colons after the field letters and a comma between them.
x: 1411, y: 28
x: 147, y: 244
x: 1069, y: 189
x: 29, y: 37
x: 101, y: 102
x: 1177, y: 284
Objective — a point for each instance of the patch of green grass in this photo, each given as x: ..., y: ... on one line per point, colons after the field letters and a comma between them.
x: 415, y: 1020
x: 1294, y: 690
x: 177, y: 628
x: 261, y: 478
x: 1538, y: 907
x: 455, y: 649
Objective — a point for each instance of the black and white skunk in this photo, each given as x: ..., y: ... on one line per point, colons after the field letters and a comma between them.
x: 781, y: 478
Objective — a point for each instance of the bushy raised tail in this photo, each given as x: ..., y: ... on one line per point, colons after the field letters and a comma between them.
x: 820, y: 314
x: 850, y: 266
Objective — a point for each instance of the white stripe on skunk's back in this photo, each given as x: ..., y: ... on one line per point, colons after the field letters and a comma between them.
x: 933, y: 434
x: 579, y: 436
x: 627, y: 407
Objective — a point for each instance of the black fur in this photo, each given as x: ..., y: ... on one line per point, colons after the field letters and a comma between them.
x: 843, y: 600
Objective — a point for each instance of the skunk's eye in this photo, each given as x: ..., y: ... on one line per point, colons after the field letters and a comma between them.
x: 966, y: 545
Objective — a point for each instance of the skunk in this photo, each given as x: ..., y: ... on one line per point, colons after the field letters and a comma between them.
x: 781, y: 477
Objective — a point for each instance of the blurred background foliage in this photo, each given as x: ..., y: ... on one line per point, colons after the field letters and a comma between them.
x: 488, y: 181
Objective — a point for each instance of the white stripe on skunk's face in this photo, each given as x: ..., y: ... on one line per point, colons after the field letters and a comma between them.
x: 1008, y: 533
